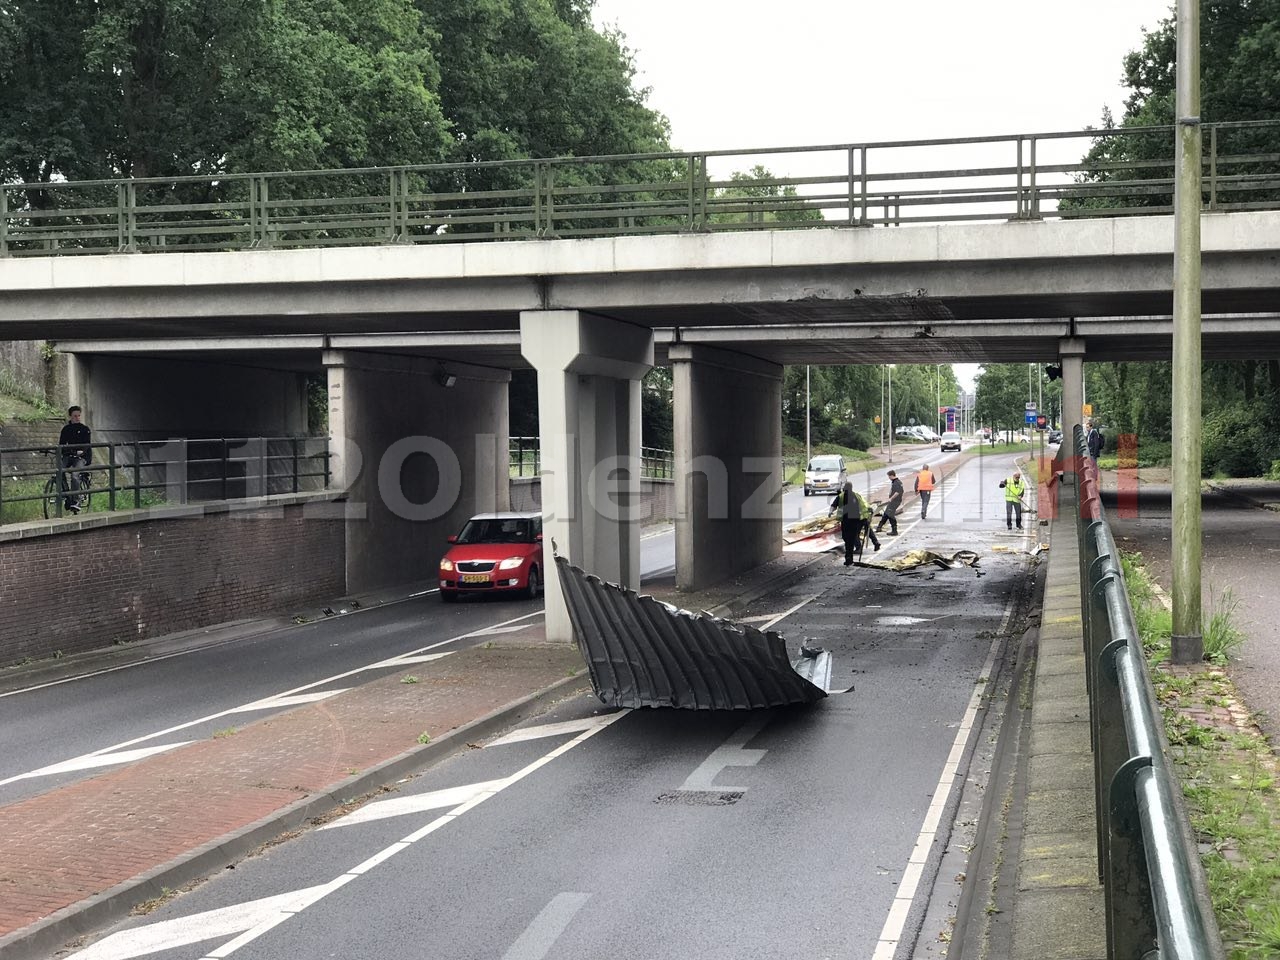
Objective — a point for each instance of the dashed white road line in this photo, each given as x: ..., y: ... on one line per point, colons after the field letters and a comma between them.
x: 541, y: 935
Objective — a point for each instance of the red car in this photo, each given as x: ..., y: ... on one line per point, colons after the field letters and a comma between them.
x: 494, y: 553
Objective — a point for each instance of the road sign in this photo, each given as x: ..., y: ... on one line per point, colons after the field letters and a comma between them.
x: 877, y: 419
x: 1042, y: 421
x: 1031, y: 417
x: 1031, y: 406
x: 1087, y: 409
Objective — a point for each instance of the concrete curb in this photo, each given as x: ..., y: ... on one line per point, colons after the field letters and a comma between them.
x: 47, y: 936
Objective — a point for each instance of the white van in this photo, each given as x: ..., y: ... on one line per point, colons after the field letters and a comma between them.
x: 824, y: 474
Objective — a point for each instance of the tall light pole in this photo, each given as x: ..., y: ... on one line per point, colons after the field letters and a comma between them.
x: 882, y: 408
x: 937, y: 373
x: 890, y: 413
x: 1187, y: 640
x: 807, y: 453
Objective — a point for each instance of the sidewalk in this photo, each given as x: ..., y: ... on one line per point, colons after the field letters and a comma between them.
x: 1058, y: 903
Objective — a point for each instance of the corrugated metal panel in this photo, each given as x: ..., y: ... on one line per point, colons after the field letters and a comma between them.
x: 645, y: 653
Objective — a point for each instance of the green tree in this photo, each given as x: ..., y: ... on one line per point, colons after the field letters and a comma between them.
x: 758, y: 196
x: 1002, y: 395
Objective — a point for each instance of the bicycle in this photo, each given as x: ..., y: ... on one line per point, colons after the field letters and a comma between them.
x: 56, y: 488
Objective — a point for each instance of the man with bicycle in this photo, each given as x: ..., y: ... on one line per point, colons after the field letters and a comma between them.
x: 75, y: 451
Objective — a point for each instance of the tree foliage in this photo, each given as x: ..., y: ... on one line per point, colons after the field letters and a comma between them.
x: 1240, y: 47
x: 171, y: 87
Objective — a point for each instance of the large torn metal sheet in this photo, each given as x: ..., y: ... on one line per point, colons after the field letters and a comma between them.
x: 642, y: 652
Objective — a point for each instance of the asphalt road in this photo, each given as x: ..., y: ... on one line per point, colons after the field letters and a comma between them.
x: 1240, y: 543
x: 810, y: 833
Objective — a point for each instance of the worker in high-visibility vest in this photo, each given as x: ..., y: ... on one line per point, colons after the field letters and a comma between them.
x: 1013, y: 490
x: 925, y: 482
x: 855, y: 520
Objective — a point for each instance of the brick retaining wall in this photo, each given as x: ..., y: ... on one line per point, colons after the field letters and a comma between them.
x: 84, y: 585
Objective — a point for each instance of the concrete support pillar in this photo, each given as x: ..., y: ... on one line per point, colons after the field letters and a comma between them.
x: 420, y: 446
x: 728, y: 463
x: 1071, y: 352
x: 589, y: 371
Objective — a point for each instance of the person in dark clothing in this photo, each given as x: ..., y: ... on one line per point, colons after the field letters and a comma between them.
x: 75, y: 452
x: 890, y: 514
x: 1095, y: 440
x: 855, y: 517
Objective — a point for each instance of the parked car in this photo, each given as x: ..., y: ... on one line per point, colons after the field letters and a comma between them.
x: 950, y: 440
x: 495, y: 553
x: 825, y: 474
x: 1055, y: 436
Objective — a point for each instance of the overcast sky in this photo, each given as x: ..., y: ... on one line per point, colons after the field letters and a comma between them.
x: 748, y: 73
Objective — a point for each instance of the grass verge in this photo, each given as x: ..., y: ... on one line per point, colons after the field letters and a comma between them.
x: 1228, y: 770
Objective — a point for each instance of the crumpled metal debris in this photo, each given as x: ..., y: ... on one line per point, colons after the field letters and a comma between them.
x: 919, y: 558
x: 642, y: 652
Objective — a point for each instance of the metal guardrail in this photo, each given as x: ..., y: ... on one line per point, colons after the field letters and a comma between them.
x: 645, y: 653
x: 141, y: 473
x: 525, y: 460
x: 885, y: 183
x: 1147, y: 861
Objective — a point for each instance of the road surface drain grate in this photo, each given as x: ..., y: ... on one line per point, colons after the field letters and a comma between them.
x: 700, y: 798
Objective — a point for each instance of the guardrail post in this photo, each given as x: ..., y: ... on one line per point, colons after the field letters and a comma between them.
x: 137, y: 475
x: 1213, y: 166
x: 294, y: 444
x: 1033, y: 211
x: 4, y: 222
x: 1019, y: 199
x: 111, y: 477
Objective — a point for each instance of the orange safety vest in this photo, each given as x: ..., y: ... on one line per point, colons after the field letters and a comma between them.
x: 924, y: 480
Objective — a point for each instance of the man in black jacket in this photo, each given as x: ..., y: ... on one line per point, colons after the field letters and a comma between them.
x: 75, y: 450
x: 890, y: 514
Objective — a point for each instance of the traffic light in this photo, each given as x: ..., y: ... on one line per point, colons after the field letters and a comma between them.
x: 1054, y: 371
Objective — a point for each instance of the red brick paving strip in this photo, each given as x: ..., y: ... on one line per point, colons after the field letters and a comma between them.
x: 80, y: 840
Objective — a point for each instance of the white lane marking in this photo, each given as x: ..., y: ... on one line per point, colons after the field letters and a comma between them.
x: 551, y: 729
x: 896, y: 921
x: 183, y: 931
x: 905, y: 621
x: 490, y: 631
x: 396, y: 661
x: 408, y: 658
x: 253, y: 920
x: 98, y: 760
x: 541, y: 935
x: 272, y: 703
x: 786, y: 613
x: 418, y: 803
x: 731, y: 753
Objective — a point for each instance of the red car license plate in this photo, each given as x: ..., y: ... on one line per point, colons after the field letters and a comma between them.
x: 475, y: 578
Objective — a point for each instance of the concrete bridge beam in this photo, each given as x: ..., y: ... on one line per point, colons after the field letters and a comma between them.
x: 589, y: 371
x: 728, y: 463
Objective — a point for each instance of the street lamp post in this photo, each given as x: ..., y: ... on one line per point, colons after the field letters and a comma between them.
x: 807, y: 454
x: 891, y: 413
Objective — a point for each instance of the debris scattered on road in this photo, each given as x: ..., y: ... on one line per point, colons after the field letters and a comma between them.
x: 919, y: 558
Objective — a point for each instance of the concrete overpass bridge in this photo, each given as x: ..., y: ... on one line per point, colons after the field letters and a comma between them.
x: 418, y: 338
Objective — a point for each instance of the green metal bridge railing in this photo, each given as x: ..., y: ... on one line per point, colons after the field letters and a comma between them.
x: 1157, y: 906
x: 888, y: 183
